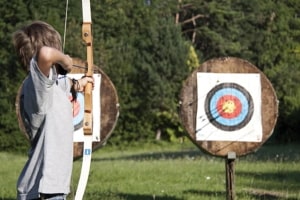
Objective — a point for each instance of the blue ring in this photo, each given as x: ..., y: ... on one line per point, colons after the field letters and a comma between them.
x: 213, y: 115
x: 225, y: 121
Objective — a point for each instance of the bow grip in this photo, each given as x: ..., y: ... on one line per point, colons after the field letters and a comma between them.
x: 88, y: 98
x: 88, y: 105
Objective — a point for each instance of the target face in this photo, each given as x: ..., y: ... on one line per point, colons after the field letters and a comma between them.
x: 229, y: 106
x: 78, y: 111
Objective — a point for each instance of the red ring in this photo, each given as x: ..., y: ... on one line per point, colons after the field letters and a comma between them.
x: 229, y: 106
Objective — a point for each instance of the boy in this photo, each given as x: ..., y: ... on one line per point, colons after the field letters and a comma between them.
x: 46, y: 112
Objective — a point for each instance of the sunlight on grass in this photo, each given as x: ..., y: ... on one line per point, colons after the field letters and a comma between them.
x: 162, y: 171
x: 10, y: 168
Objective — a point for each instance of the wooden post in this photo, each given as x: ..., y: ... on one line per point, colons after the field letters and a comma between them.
x: 230, y: 178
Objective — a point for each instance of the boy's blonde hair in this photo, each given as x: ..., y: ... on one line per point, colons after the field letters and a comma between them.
x: 30, y: 38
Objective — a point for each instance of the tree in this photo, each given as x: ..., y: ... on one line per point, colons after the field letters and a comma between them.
x: 10, y: 77
x: 146, y: 59
x: 148, y: 48
x: 266, y: 33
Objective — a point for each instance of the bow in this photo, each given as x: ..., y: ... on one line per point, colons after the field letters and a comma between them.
x: 88, y: 102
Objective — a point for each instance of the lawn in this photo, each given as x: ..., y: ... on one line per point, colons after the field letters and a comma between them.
x: 161, y: 171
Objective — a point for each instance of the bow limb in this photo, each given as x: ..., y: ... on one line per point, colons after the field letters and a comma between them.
x: 85, y: 168
x: 88, y: 102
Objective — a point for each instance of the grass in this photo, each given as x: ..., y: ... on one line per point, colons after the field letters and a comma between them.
x: 162, y: 171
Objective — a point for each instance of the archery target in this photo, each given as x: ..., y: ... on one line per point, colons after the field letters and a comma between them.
x: 229, y: 107
x: 78, y: 110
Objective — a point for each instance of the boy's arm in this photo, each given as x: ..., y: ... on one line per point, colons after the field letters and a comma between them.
x: 48, y: 56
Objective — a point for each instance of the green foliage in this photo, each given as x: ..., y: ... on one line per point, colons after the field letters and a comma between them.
x: 192, y: 59
x: 10, y: 77
x: 147, y: 55
x: 266, y: 33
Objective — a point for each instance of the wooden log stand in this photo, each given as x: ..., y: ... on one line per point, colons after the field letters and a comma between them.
x: 227, y: 149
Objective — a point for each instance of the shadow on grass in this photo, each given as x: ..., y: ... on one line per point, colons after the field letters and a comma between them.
x: 269, y: 196
x: 127, y: 196
x: 158, y: 156
x: 8, y: 198
x: 269, y: 152
x: 278, y: 178
x: 276, y: 153
x: 218, y: 194
x: 258, y: 195
x: 146, y: 197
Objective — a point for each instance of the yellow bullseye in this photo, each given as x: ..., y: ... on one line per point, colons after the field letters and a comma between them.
x: 229, y: 106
